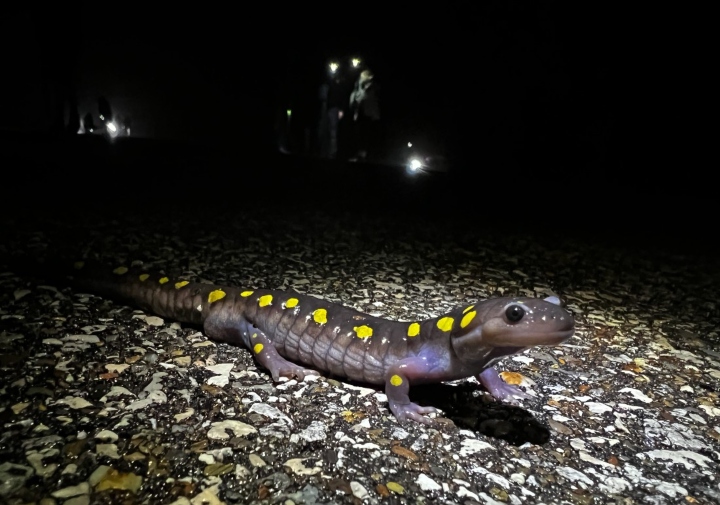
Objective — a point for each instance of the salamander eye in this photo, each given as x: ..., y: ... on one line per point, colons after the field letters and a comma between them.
x: 514, y: 313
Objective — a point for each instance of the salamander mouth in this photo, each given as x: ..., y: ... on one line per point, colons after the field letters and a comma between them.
x: 502, y: 339
x: 540, y: 338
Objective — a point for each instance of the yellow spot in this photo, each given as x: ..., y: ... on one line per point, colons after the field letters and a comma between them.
x: 395, y: 380
x: 144, y: 277
x: 414, y: 330
x: 78, y: 265
x: 258, y: 348
x: 180, y: 284
x: 163, y: 280
x: 120, y: 270
x: 292, y: 302
x: 363, y: 331
x: 445, y: 323
x: 245, y: 294
x: 320, y: 316
x: 254, y: 335
x: 216, y: 295
x: 467, y: 318
x: 265, y: 300
x: 469, y: 307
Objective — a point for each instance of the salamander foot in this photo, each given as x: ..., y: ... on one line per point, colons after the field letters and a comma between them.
x: 292, y: 371
x: 412, y: 411
x: 500, y: 389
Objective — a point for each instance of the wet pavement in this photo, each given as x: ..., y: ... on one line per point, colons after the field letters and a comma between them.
x: 104, y: 403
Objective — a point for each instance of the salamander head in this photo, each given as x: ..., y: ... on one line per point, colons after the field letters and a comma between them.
x: 511, y: 323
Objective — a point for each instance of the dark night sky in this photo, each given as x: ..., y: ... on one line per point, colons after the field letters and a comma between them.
x: 567, y: 94
x: 494, y: 73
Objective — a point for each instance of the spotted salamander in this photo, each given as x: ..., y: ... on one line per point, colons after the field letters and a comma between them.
x: 287, y: 332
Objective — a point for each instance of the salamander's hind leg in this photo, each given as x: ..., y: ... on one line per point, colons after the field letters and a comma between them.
x: 266, y: 354
x: 500, y: 389
x: 244, y: 333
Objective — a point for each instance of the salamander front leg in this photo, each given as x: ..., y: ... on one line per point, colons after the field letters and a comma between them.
x: 500, y: 389
x: 397, y: 386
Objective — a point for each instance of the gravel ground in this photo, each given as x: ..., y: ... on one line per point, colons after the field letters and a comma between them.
x: 102, y: 403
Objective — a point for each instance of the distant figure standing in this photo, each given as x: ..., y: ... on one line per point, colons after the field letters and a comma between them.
x: 88, y: 123
x: 333, y: 102
x: 365, y: 104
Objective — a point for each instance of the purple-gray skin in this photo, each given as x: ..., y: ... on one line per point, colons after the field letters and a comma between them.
x: 288, y: 331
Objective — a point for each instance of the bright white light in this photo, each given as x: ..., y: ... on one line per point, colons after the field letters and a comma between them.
x: 355, y: 62
x: 409, y: 144
x: 333, y: 67
x: 111, y: 126
x: 415, y: 164
x: 102, y: 118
